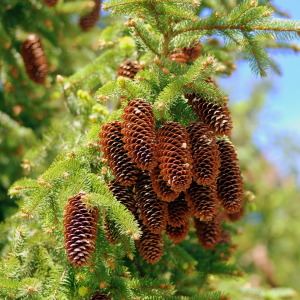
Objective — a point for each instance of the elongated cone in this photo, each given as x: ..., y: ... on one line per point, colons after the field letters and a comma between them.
x: 209, y: 233
x: 124, y: 194
x: 117, y: 158
x: 129, y: 68
x: 178, y: 212
x: 80, y: 230
x: 34, y: 59
x: 177, y: 234
x: 100, y: 296
x: 150, y: 245
x: 202, y: 201
x: 174, y: 156
x: 161, y: 188
x: 111, y: 232
x: 50, y: 3
x: 229, y: 181
x: 139, y: 133
x: 215, y: 116
x: 89, y: 20
x: 153, y: 211
x: 205, y: 154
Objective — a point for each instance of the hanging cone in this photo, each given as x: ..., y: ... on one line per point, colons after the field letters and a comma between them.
x: 150, y: 246
x: 206, y: 160
x: 203, y: 201
x: 163, y: 191
x: 237, y: 216
x: 34, y: 59
x: 187, y: 54
x: 124, y: 194
x: 89, y: 20
x: 229, y: 181
x: 81, y: 230
x: 129, y: 68
x: 178, y: 212
x: 100, y: 296
x: 139, y: 134
x: 177, y: 234
x: 111, y: 231
x: 153, y: 212
x: 117, y: 158
x: 209, y: 233
x: 215, y: 116
x: 50, y: 3
x: 174, y: 156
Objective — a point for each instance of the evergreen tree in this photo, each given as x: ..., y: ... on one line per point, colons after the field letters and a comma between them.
x: 143, y: 150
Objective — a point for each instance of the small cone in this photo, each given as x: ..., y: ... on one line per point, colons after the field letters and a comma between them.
x: 50, y: 3
x: 111, y: 231
x: 34, y: 59
x: 129, y: 68
x: 113, y: 147
x: 177, y: 234
x: 187, y: 54
x: 229, y: 182
x: 215, y: 116
x: 89, y: 20
x: 209, y: 233
x: 100, y: 296
x: 236, y: 216
x: 80, y: 230
x: 178, y: 212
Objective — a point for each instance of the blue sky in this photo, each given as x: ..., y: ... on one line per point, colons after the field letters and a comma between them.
x: 281, y: 115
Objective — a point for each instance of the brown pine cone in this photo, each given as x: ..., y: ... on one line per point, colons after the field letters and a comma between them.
x: 81, y: 230
x: 111, y: 231
x: 129, y: 68
x: 139, y: 134
x: 177, y: 234
x: 89, y: 20
x: 124, y: 194
x: 215, y: 116
x: 50, y: 3
x: 100, y: 296
x: 153, y: 212
x: 205, y: 154
x: 187, y: 54
x: 174, y: 156
x: 237, y: 216
x: 163, y: 191
x: 34, y: 59
x: 229, y: 182
x: 209, y: 233
x: 203, y: 201
x: 225, y: 238
x: 117, y: 158
x: 178, y: 212
x: 150, y: 245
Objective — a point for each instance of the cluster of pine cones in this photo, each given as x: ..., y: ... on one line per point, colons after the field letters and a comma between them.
x: 165, y: 176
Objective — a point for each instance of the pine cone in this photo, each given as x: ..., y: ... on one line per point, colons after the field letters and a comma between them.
x: 205, y: 154
x: 139, y: 133
x: 34, y: 59
x: 187, y: 54
x: 50, y: 3
x: 225, y: 238
x: 174, y: 156
x: 178, y: 212
x: 150, y: 246
x: 111, y: 231
x: 209, y: 233
x: 237, y: 216
x: 153, y: 212
x: 81, y: 230
x: 177, y: 234
x: 124, y: 194
x: 229, y: 181
x: 100, y: 296
x: 129, y: 68
x: 163, y: 191
x: 89, y: 20
x: 214, y: 116
x: 117, y: 158
x: 202, y: 200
